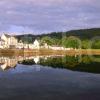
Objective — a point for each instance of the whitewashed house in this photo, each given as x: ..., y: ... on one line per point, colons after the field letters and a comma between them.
x: 2, y: 43
x: 9, y: 41
x: 36, y: 44
x: 20, y: 45
x: 31, y: 46
x: 46, y: 46
x: 56, y: 48
x: 59, y: 48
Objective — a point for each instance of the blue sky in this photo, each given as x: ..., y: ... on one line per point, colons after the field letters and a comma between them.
x: 41, y: 16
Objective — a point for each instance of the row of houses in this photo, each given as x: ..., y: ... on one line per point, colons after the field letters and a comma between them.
x: 9, y: 41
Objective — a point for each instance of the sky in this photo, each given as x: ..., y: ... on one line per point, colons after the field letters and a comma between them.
x: 43, y: 16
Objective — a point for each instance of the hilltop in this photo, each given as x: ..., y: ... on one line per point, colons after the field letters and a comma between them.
x: 82, y: 34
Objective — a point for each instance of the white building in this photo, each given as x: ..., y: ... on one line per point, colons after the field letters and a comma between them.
x: 46, y: 46
x: 20, y: 45
x: 59, y: 48
x: 2, y: 43
x: 56, y: 48
x: 36, y: 44
x: 9, y: 41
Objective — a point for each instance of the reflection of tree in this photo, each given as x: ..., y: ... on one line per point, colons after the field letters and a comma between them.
x: 60, y: 62
x: 87, y: 65
x: 67, y: 62
x: 53, y: 62
x: 86, y: 60
x: 70, y: 61
x: 28, y: 62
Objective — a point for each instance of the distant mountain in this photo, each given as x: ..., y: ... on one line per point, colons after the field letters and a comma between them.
x: 82, y: 34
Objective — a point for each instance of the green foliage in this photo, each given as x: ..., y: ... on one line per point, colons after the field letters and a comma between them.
x: 47, y: 40
x: 27, y: 39
x: 96, y: 44
x: 71, y: 42
x: 85, y: 44
x: 71, y: 39
x: 50, y: 41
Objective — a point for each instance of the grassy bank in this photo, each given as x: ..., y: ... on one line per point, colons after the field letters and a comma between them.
x: 17, y: 52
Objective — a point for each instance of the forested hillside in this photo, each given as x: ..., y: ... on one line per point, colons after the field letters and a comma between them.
x: 82, y: 34
x: 66, y: 39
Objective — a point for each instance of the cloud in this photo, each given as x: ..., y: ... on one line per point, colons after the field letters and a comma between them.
x: 40, y: 16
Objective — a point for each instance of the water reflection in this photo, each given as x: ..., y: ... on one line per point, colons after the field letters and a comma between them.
x: 73, y: 63
x: 86, y: 64
x: 11, y: 62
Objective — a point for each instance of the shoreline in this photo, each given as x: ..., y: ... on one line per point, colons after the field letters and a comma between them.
x: 27, y: 52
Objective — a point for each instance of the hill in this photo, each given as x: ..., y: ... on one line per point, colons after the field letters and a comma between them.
x: 82, y: 34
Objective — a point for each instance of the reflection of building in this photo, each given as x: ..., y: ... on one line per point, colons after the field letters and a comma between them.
x: 7, y: 63
x: 36, y: 59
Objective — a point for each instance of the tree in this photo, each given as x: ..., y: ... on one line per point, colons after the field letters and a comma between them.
x: 47, y: 40
x: 71, y: 42
x: 96, y: 44
x: 85, y: 44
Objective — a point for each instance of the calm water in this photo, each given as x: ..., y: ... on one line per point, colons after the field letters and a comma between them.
x: 50, y: 78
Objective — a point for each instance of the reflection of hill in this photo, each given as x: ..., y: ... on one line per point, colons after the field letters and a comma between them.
x: 93, y: 67
x: 60, y: 62
x: 72, y: 63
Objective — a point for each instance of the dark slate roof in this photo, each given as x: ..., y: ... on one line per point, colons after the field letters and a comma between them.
x: 8, y: 36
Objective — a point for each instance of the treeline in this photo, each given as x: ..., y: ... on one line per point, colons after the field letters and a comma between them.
x: 84, y: 38
x: 72, y: 42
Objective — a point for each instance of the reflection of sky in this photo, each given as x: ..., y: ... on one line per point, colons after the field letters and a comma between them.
x: 36, y: 81
x: 40, y: 16
x: 25, y: 69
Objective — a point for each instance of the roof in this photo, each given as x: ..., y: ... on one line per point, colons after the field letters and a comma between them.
x: 36, y: 42
x: 8, y: 36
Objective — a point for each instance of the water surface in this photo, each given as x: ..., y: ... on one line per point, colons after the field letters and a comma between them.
x: 49, y: 78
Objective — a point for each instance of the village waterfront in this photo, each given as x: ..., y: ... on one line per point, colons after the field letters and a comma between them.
x: 45, y: 72
x: 49, y: 49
